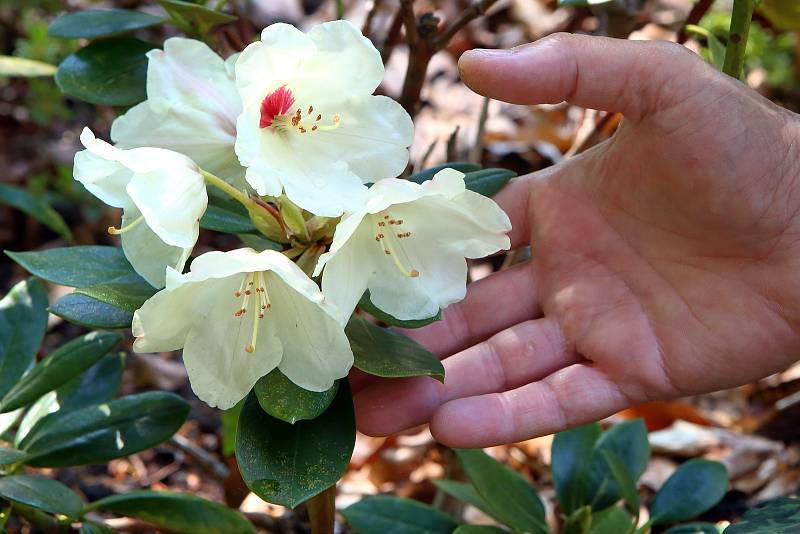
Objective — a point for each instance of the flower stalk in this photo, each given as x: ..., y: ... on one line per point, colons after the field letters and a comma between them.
x: 737, y: 39
x: 321, y: 511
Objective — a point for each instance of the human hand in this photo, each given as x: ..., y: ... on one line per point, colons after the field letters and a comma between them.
x: 664, y: 263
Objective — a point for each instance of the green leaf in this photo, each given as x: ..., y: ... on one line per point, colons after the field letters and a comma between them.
x: 34, y: 413
x: 41, y: 493
x: 76, y: 266
x: 695, y: 487
x: 716, y: 50
x: 97, y: 385
x: 63, y: 364
x: 628, y: 441
x: 463, y: 492
x: 621, y: 475
x: 381, y: 352
x: 287, y: 464
x: 94, y: 23
x: 91, y: 313
x: 579, y: 521
x: 23, y: 321
x: 127, y: 295
x: 427, y: 174
x: 177, y: 512
x: 779, y: 516
x: 393, y: 515
x: 284, y: 400
x: 110, y: 72
x: 709, y: 528
x: 366, y: 304
x: 509, y: 496
x: 194, y: 16
x: 226, y: 216
x: 100, y: 433
x: 571, y: 452
x: 487, y: 182
x: 26, y: 68
x: 92, y: 527
x: 479, y: 529
x: 36, y: 208
x: 230, y: 423
x: 11, y: 456
x: 259, y: 243
x: 612, y: 520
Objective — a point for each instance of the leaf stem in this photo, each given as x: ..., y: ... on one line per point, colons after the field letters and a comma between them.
x: 322, y: 511
x: 737, y: 39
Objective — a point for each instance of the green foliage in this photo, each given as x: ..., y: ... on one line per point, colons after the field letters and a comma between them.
x: 694, y: 488
x: 176, y: 512
x: 487, y: 182
x: 571, y: 454
x: 223, y: 215
x: 42, y: 493
x: 398, y: 516
x: 779, y: 516
x: 286, y: 463
x: 111, y: 72
x: 194, y: 19
x: 384, y: 353
x: 94, y: 23
x: 284, y: 400
x: 36, y: 208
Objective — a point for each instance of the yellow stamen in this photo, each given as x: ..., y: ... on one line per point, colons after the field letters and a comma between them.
x: 118, y: 231
x: 387, y: 241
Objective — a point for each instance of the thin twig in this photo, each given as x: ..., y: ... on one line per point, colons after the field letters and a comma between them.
x: 477, y: 147
x: 366, y: 29
x: 737, y: 39
x: 204, y: 459
x: 695, y: 15
x: 409, y: 22
x: 475, y: 10
x: 392, y: 36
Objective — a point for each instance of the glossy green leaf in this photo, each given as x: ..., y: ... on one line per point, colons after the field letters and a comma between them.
x: 127, y: 295
x: 177, y: 512
x: 194, y: 16
x: 779, y: 516
x: 709, y: 528
x: 579, y: 521
x: 284, y: 400
x: 366, y: 304
x: 394, y: 515
x: 41, y: 493
x: 59, y: 367
x: 27, y: 68
x: 509, y: 496
x: 11, y: 456
x: 626, y: 484
x: 94, y: 23
x: 34, y: 413
x: 91, y: 313
x: 100, y: 433
x: 464, y: 492
x: 381, y: 352
x: 36, y: 208
x: 427, y: 174
x: 487, y: 182
x: 571, y: 453
x: 479, y: 529
x: 23, y: 321
x: 259, y: 243
x: 695, y: 487
x: 628, y: 441
x: 612, y: 520
x: 716, y: 50
x: 77, y: 266
x: 111, y: 72
x: 230, y: 424
x: 288, y: 463
x: 226, y: 216
x: 93, y: 527
x: 8, y: 420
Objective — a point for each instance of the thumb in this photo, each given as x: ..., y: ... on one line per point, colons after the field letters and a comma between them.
x: 635, y: 78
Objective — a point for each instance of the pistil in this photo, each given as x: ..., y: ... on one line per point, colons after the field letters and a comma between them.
x: 253, y: 283
x: 130, y: 226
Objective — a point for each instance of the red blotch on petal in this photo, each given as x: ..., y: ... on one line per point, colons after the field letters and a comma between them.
x: 278, y: 102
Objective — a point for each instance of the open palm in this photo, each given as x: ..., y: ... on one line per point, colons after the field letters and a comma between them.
x: 664, y: 260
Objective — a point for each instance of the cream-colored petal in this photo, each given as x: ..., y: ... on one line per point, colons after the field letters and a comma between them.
x: 316, y: 351
x: 348, y: 225
x: 101, y: 170
x: 172, y: 199
x: 348, y: 272
x: 148, y: 254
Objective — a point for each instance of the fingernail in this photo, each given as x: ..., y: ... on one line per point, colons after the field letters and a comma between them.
x: 488, y: 52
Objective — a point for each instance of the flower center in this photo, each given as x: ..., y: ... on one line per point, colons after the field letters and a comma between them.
x: 253, y: 283
x: 389, y: 236
x: 275, y: 113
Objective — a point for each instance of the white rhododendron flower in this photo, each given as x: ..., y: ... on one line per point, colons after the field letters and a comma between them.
x: 191, y: 107
x: 162, y: 195
x: 310, y: 124
x: 238, y: 315
x: 408, y: 246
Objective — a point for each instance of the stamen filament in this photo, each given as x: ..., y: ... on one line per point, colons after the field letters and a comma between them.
x: 119, y: 231
x: 387, y: 241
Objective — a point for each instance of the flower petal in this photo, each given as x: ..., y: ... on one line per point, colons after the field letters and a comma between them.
x: 148, y: 254
x: 315, y: 349
x: 100, y: 169
x: 172, y: 199
x: 163, y: 321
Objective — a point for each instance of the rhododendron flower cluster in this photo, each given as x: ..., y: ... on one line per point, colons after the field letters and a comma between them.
x: 291, y: 129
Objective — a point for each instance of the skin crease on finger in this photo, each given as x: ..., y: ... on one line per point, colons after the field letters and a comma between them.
x: 665, y: 258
